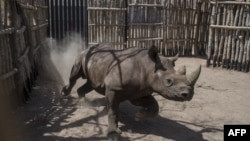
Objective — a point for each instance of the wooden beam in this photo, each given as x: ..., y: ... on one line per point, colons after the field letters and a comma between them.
x: 7, y: 31
x: 107, y: 9
x: 21, y: 30
x: 8, y: 74
x: 42, y: 7
x: 27, y: 6
x: 146, y: 24
x: 147, y: 5
x: 145, y: 39
x: 21, y: 58
x: 39, y: 26
x: 230, y: 27
x: 107, y: 25
x: 36, y: 49
x: 119, y: 43
x: 230, y: 2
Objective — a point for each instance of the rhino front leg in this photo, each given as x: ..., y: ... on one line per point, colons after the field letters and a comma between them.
x: 150, y: 107
x: 113, y: 112
x: 74, y: 75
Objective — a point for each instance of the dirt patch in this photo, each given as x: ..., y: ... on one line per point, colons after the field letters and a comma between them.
x: 221, y: 97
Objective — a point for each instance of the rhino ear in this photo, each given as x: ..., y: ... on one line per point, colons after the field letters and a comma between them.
x: 153, y: 54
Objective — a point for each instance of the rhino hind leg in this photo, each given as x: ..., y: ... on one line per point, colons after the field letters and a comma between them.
x: 84, y: 89
x: 150, y: 107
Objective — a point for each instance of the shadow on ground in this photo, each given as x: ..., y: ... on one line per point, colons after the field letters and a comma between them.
x: 47, y: 110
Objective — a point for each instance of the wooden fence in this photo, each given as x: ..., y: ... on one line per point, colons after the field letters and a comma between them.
x: 172, y: 25
x: 229, y: 39
x: 22, y: 32
x: 186, y: 27
x: 107, y: 22
x: 146, y: 23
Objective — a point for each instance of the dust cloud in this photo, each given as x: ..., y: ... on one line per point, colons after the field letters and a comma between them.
x: 61, y: 57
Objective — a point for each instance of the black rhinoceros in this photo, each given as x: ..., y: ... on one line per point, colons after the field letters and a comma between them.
x: 130, y: 74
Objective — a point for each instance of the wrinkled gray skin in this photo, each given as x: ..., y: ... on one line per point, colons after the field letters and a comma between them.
x: 131, y: 74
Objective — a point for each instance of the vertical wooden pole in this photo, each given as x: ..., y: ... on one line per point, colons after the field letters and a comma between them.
x: 211, y: 34
x: 198, y: 11
x: 15, y: 54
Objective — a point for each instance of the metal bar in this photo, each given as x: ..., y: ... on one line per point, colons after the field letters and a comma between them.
x: 53, y: 5
x: 70, y: 18
x: 77, y: 17
x: 63, y: 18
x: 57, y: 19
x: 50, y: 19
x: 80, y: 13
x: 74, y: 16
x: 67, y: 17
x: 58, y: 13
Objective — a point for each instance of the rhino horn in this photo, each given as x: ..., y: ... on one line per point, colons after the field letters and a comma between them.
x: 192, y: 78
x: 173, y: 59
x: 182, y: 70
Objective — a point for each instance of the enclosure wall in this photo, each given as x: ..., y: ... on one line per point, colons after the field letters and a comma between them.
x: 22, y: 33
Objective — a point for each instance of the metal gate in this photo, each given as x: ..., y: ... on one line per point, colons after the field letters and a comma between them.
x: 67, y: 17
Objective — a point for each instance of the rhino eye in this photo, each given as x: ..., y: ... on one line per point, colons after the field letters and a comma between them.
x: 169, y: 82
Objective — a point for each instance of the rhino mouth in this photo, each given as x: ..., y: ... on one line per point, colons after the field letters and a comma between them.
x: 176, y: 99
x: 180, y: 98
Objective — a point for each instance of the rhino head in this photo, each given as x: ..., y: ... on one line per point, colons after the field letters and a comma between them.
x: 169, y: 83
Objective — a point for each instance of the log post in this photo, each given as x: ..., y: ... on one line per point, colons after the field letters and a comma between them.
x: 211, y: 34
x: 30, y: 38
x: 15, y: 53
x: 199, y: 17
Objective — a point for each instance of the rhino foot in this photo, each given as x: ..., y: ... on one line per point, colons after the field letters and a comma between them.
x: 114, y: 136
x: 65, y: 91
x: 113, y: 132
x: 82, y: 103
